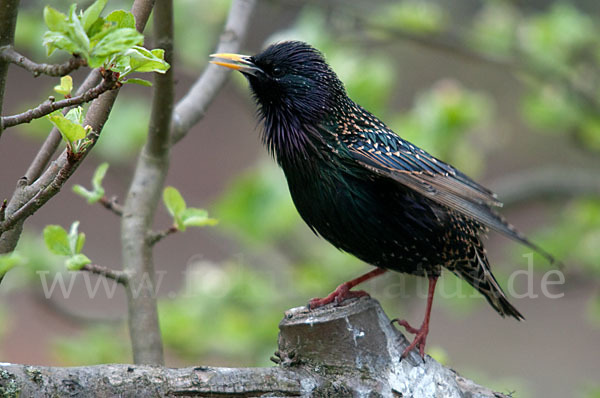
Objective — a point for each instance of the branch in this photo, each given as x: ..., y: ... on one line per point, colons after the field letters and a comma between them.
x: 3, y: 210
x: 9, y: 54
x: 46, y: 151
x: 117, y: 276
x: 39, y: 199
x: 351, y: 350
x: 9, y: 10
x: 155, y: 237
x: 112, y: 205
x: 96, y: 116
x: 141, y: 10
x: 109, y: 82
x: 142, y: 200
x: 191, y: 108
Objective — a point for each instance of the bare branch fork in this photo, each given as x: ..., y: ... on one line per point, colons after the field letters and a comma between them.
x: 155, y: 237
x: 111, y: 205
x: 191, y: 108
x: 351, y: 350
x: 9, y: 54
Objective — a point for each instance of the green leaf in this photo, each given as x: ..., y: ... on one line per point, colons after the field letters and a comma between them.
x: 98, y: 30
x: 179, y: 224
x: 141, y: 82
x: 143, y: 60
x: 192, y: 217
x: 55, y: 20
x: 98, y: 192
x: 174, y: 202
x: 99, y: 176
x: 122, y: 19
x: 81, y: 191
x: 77, y: 262
x: 96, y: 62
x: 70, y: 131
x: 75, y: 115
x: 117, y: 41
x: 66, y: 33
x: 60, y: 41
x: 8, y: 262
x: 66, y: 85
x: 57, y: 240
x: 76, y: 238
x: 80, y: 242
x: 139, y: 59
x: 76, y: 32
x: 92, y: 13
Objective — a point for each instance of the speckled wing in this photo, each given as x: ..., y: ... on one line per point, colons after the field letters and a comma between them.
x: 432, y: 178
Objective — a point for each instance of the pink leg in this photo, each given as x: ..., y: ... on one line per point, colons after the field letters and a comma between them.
x: 421, y: 333
x: 342, y: 292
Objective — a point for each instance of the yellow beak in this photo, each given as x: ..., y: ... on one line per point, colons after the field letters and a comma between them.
x: 237, y: 62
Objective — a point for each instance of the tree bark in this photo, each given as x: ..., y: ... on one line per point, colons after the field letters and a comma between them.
x: 345, y: 351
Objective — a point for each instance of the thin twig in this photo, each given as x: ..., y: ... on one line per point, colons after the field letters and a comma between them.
x: 108, y: 83
x: 155, y: 237
x: 9, y: 54
x: 191, y: 108
x: 112, y: 205
x: 118, y: 276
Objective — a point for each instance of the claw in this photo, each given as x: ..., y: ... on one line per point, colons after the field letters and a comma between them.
x: 343, y: 292
x: 420, y: 333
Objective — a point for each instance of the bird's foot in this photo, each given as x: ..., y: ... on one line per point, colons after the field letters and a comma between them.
x: 420, y: 337
x: 341, y: 293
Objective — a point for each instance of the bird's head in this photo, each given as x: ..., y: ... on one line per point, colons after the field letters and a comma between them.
x: 289, y: 76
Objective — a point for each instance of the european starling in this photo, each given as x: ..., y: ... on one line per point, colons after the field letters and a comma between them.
x: 366, y: 190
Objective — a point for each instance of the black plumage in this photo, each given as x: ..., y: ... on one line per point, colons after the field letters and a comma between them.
x: 362, y: 187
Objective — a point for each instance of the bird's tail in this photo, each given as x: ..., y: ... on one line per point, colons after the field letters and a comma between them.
x: 477, y: 272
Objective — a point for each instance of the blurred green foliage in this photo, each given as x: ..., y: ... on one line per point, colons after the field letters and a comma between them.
x: 95, y: 345
x: 575, y: 238
x: 494, y: 29
x: 197, y: 29
x: 372, y: 90
x: 553, y: 39
x: 441, y: 120
x: 37, y: 258
x: 418, y: 17
x: 258, y: 208
x: 236, y: 321
x: 591, y: 392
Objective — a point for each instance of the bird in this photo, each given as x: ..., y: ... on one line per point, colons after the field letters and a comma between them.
x: 360, y: 186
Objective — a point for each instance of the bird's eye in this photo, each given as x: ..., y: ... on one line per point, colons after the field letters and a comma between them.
x: 277, y: 72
